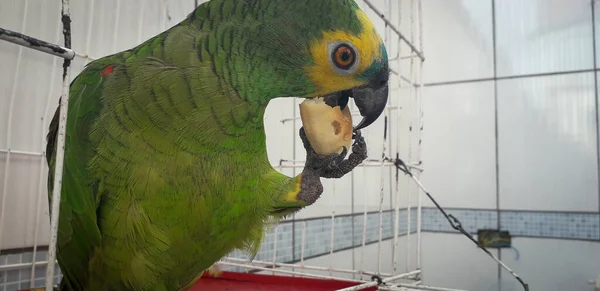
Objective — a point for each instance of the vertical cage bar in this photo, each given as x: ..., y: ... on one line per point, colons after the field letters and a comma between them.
x: 89, y: 29
x: 41, y: 177
x: 141, y: 8
x: 397, y: 135
x: 116, y: 29
x: 294, y: 169
x: 364, y: 236
x: 381, y: 194
x: 383, y: 154
x: 275, y: 248
x: 411, y: 119
x: 364, y: 232
x: 58, y: 171
x: 332, y: 237
x: 420, y: 97
x: 34, y: 200
x: 303, y: 244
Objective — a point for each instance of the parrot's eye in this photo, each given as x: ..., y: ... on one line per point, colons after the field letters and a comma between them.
x: 344, y: 57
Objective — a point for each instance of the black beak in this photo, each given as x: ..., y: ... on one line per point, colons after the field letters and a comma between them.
x: 371, y: 99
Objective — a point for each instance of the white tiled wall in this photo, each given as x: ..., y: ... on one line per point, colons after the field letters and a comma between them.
x: 541, y: 36
x: 458, y: 147
x: 457, y: 40
x: 546, y: 125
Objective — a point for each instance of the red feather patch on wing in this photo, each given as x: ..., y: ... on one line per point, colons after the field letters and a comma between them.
x: 107, y: 70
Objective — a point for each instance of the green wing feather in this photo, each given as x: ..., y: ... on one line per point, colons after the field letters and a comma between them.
x: 78, y: 231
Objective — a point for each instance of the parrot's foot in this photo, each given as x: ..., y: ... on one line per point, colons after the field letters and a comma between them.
x: 318, y: 162
x: 334, y: 165
x: 331, y: 166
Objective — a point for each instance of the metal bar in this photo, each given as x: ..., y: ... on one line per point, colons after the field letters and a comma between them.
x: 21, y: 266
x: 410, y: 139
x: 312, y: 268
x: 352, y: 113
x: 424, y: 287
x: 34, y: 201
x: 396, y: 243
x: 36, y: 44
x: 394, y: 28
x: 361, y: 166
x: 403, y: 78
x: 397, y: 57
x: 487, y: 252
x: 365, y: 163
x: 58, y: 170
x: 352, y: 210
x: 408, y: 57
x: 116, y: 28
x: 397, y: 171
x: 21, y: 153
x: 364, y: 236
x: 381, y: 193
x: 286, y: 272
x: 332, y: 235
x: 496, y: 135
x: 141, y: 23
x: 382, y: 163
x: 303, y: 244
x: 375, y: 283
x: 294, y: 136
x: 420, y: 97
x: 274, y: 248
x: 86, y: 57
x: 41, y: 178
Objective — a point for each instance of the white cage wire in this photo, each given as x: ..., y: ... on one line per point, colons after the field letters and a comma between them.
x: 377, y: 227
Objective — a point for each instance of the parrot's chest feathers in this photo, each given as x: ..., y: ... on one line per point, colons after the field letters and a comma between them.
x: 185, y: 206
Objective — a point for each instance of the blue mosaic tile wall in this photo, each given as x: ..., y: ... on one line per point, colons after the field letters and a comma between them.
x: 565, y: 225
x: 552, y: 225
x: 317, y: 240
x: 585, y: 226
x: 12, y: 280
x: 471, y: 220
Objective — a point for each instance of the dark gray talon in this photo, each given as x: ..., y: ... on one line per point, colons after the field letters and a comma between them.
x: 356, y: 134
x: 334, y: 165
x: 304, y: 139
x: 360, y: 147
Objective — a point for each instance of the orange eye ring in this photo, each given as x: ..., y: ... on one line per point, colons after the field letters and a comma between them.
x: 343, y: 56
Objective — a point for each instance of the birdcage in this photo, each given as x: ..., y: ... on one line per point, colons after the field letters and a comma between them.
x: 363, y: 234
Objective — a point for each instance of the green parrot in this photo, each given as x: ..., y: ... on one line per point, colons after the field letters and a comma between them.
x: 165, y: 165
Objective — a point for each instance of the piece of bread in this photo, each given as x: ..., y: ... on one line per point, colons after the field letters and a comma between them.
x: 328, y: 129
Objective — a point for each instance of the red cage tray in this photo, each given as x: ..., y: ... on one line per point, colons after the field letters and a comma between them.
x: 233, y: 281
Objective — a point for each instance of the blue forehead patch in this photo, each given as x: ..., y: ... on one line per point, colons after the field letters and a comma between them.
x: 380, y: 63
